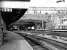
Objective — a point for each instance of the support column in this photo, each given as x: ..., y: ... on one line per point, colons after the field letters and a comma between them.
x: 1, y: 30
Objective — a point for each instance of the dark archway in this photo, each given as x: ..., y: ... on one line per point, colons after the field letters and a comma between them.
x: 10, y: 17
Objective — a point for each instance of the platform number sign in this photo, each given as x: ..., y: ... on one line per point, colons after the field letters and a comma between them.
x: 58, y: 1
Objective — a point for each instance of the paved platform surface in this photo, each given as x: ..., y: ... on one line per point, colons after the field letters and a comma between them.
x: 16, y: 42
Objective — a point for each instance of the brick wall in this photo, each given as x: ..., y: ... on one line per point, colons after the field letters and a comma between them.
x: 53, y: 19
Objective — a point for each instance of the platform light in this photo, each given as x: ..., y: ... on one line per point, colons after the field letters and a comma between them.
x: 7, y: 9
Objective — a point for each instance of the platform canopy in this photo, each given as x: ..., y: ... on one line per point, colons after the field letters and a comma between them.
x: 33, y: 3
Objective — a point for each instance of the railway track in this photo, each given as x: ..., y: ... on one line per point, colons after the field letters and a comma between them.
x: 42, y: 41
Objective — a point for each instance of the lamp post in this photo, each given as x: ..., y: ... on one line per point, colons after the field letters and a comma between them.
x: 42, y: 23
